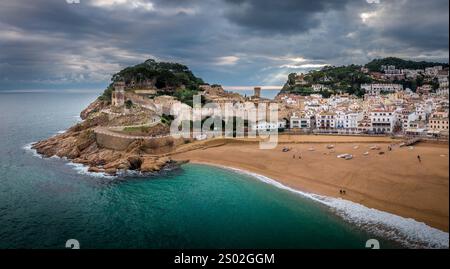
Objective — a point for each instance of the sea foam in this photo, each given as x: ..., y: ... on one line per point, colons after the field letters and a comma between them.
x: 78, y: 118
x: 29, y: 147
x: 84, y: 170
x: 408, y: 232
x: 79, y: 168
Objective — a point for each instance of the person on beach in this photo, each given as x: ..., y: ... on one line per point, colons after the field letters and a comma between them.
x: 418, y: 158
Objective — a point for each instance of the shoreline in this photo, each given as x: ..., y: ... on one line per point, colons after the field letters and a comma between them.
x: 408, y: 231
x: 411, y: 233
x: 394, y: 182
x: 83, y: 169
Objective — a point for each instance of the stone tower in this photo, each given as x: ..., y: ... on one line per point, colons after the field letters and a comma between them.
x: 257, y: 91
x: 118, y: 95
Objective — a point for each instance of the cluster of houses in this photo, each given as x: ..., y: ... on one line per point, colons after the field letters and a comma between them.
x: 385, y: 109
x: 391, y: 73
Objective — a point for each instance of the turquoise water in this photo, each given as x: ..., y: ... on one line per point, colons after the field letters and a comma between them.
x: 44, y: 202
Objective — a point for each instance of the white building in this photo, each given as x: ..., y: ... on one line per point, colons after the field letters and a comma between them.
x: 390, y: 72
x: 377, y: 89
x: 326, y: 120
x: 319, y: 87
x: 382, y: 121
x: 351, y: 120
x: 269, y: 126
x: 411, y: 73
x: 302, y: 121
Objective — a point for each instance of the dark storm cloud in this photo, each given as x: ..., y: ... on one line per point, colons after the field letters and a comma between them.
x: 288, y: 16
x: 423, y: 24
x: 49, y: 43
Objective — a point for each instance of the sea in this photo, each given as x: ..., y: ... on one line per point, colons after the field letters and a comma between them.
x: 44, y: 202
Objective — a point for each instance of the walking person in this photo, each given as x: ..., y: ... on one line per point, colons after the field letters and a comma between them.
x: 418, y: 158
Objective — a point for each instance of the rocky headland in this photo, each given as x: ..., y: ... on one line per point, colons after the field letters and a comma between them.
x: 79, y: 144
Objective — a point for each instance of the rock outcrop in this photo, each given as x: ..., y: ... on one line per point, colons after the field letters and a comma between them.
x: 79, y: 145
x: 94, y: 107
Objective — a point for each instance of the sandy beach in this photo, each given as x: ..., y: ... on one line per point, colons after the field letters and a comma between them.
x: 395, y: 182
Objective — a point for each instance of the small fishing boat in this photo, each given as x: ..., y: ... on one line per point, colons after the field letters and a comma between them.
x: 343, y: 156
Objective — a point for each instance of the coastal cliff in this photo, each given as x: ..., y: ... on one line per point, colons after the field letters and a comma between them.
x: 79, y: 144
x: 126, y: 128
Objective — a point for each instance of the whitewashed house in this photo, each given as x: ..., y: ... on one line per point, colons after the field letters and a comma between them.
x: 382, y: 121
x: 269, y: 126
x: 326, y: 120
x: 302, y: 121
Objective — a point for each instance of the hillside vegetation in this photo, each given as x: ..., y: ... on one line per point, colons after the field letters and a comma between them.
x: 348, y: 79
x: 375, y: 65
x: 172, y: 79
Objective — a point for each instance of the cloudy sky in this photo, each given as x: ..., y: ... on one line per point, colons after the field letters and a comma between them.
x: 54, y: 44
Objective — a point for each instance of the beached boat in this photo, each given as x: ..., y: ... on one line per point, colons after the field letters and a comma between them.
x: 345, y: 155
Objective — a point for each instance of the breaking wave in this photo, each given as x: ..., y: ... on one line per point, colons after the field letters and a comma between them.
x: 407, y: 231
x: 79, y: 168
